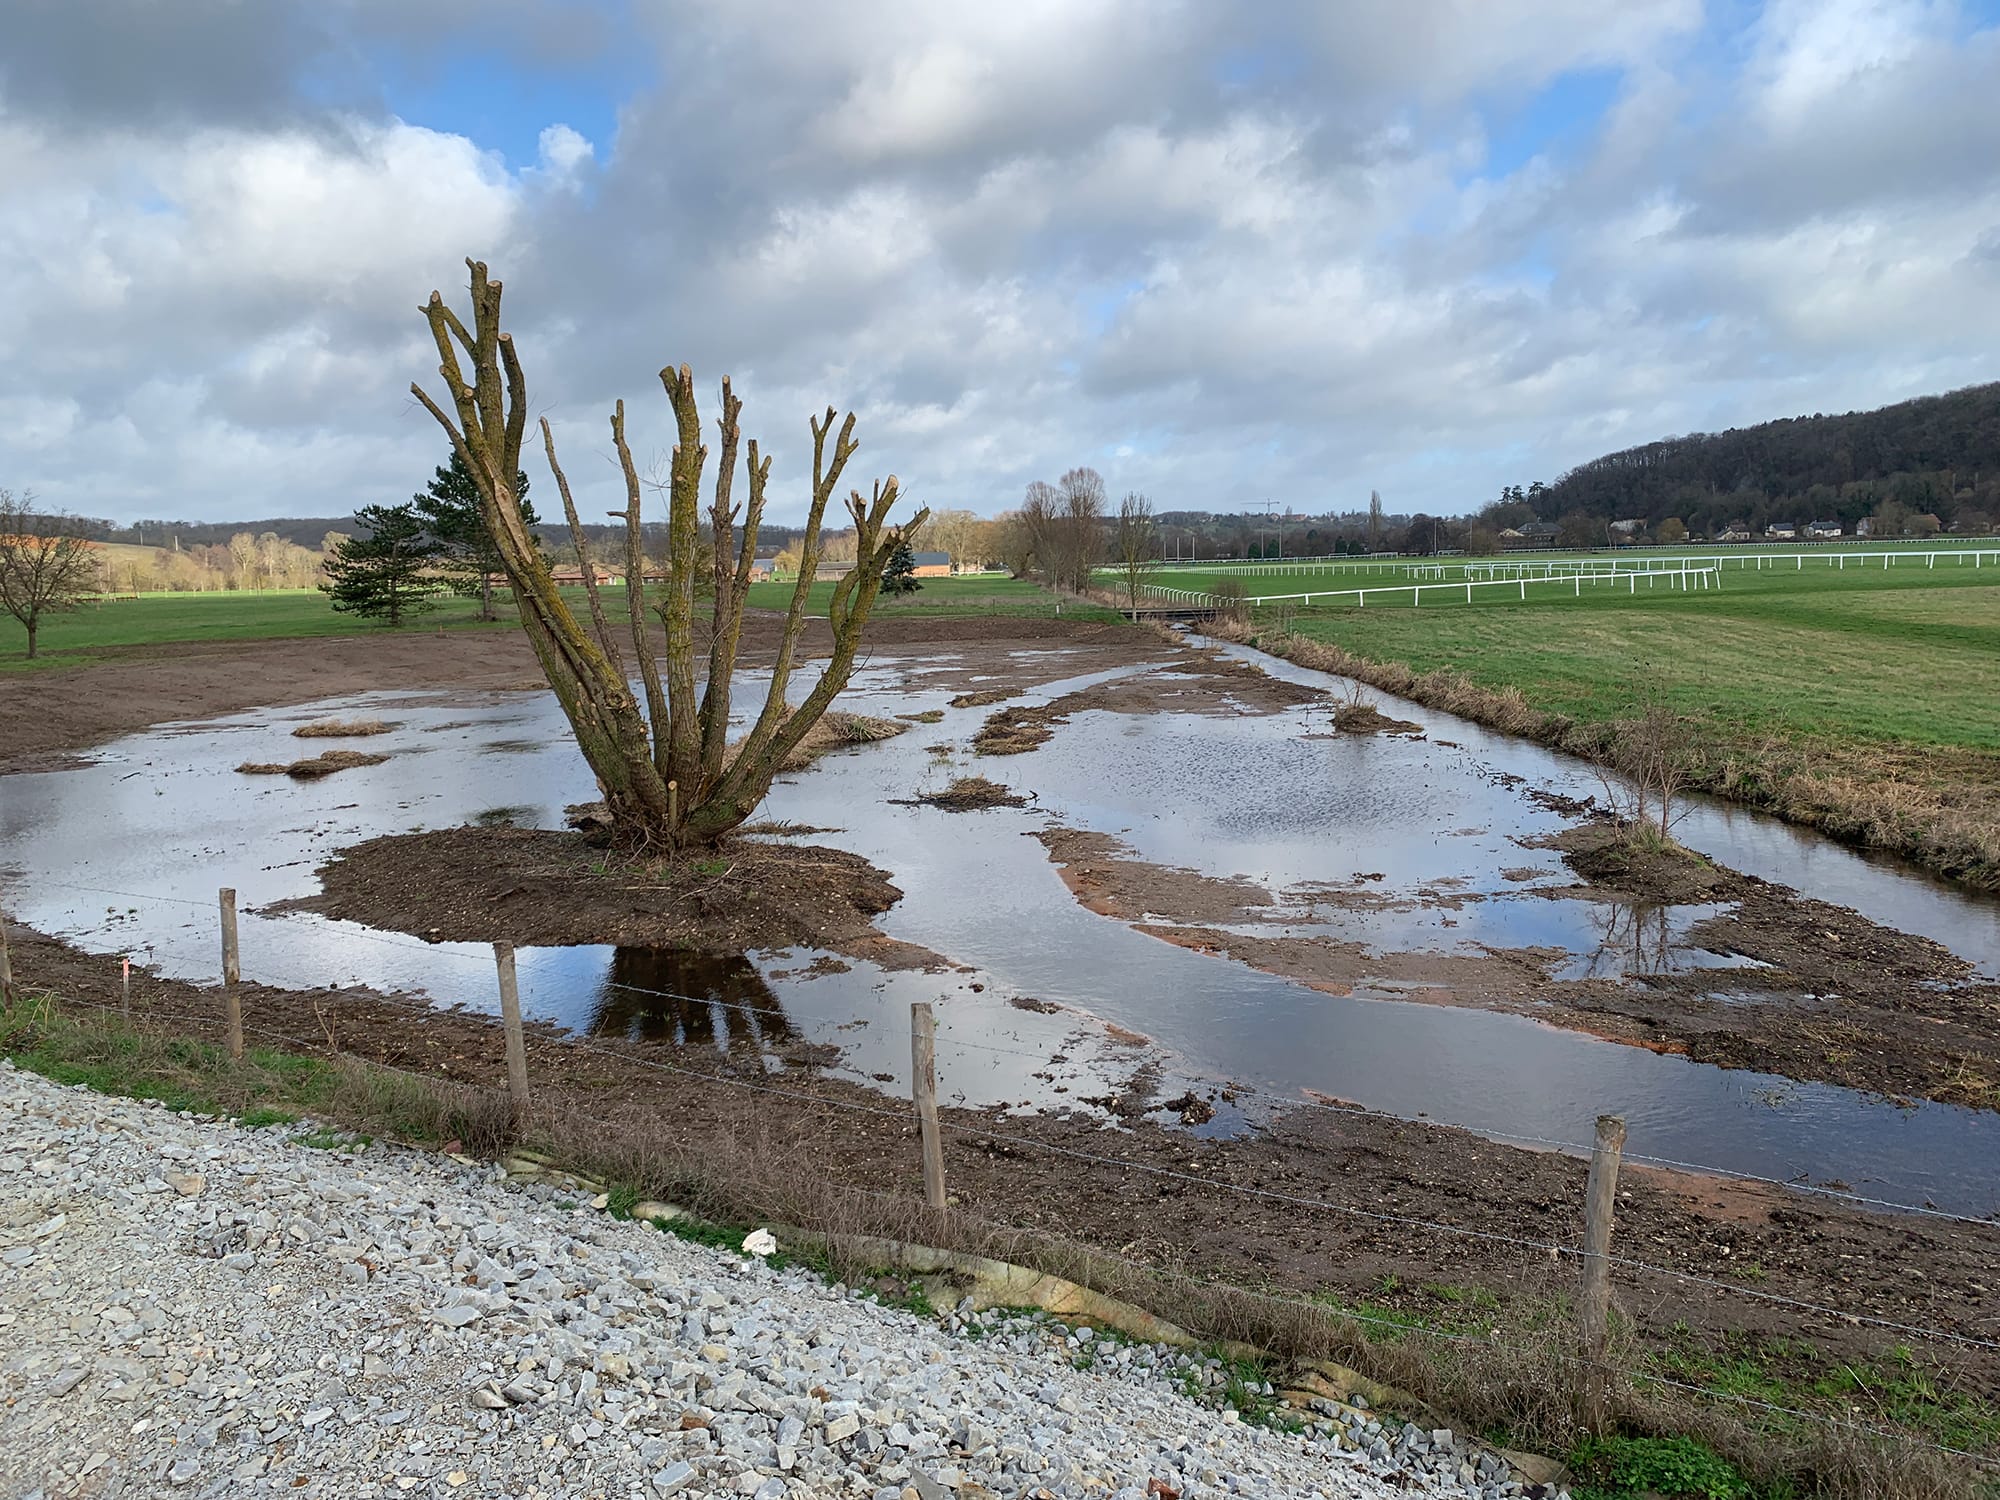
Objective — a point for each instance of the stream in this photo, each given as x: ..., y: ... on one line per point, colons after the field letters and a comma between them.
x: 1051, y: 1005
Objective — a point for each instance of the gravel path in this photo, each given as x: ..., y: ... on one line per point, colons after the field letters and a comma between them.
x: 189, y: 1307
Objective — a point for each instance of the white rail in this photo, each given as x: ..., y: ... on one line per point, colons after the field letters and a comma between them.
x: 1705, y: 576
x: 1834, y: 554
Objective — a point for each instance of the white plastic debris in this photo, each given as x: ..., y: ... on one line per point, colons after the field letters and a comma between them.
x: 760, y: 1242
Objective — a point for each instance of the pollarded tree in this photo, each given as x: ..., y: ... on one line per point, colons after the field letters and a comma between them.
x: 46, y: 565
x: 669, y: 775
x: 390, y: 571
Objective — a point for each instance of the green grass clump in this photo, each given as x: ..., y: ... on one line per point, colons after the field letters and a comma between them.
x: 1623, y: 1468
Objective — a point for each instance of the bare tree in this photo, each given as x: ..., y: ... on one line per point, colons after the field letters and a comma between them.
x: 668, y: 775
x: 1039, y: 540
x: 1082, y: 529
x: 1649, y: 768
x: 1136, y: 541
x: 46, y: 565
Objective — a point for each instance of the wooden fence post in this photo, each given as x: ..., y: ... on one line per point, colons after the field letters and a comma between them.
x: 517, y: 1044
x: 232, y: 974
x: 923, y: 1086
x: 125, y: 990
x: 6, y: 970
x: 1594, y: 1309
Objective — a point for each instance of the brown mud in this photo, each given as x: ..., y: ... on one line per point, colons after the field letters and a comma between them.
x: 534, y: 887
x: 1385, y: 1185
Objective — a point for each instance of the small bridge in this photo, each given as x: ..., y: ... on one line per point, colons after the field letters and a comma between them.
x: 1188, y: 611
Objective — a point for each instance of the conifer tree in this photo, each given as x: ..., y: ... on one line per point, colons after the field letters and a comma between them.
x: 388, y: 573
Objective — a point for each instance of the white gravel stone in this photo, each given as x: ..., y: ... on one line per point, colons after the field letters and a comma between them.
x: 190, y: 1320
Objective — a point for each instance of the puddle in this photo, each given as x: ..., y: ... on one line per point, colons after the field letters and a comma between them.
x: 164, y: 816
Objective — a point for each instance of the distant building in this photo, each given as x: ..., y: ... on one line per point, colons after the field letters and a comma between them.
x: 1626, y: 530
x: 1781, y: 530
x: 1534, y: 534
x: 763, y: 566
x: 1736, y: 531
x: 931, y: 564
x: 1824, y: 530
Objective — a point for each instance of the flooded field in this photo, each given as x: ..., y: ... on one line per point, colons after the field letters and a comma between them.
x: 1420, y: 862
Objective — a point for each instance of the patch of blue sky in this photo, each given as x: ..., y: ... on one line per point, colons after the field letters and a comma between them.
x: 1558, y: 122
x: 500, y: 105
x: 1258, y: 66
x: 1102, y: 305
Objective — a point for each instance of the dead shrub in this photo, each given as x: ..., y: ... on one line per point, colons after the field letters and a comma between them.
x: 1230, y: 600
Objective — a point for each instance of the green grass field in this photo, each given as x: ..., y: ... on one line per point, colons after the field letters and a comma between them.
x: 99, y: 629
x: 1908, y: 654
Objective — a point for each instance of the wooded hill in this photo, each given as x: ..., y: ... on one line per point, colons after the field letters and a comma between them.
x: 1936, y: 455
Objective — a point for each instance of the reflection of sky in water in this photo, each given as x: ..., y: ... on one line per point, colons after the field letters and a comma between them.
x: 1886, y: 890
x: 167, y: 816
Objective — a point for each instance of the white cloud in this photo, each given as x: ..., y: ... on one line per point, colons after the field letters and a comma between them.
x: 1223, y: 253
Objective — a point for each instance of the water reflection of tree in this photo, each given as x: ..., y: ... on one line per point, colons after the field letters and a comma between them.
x: 1630, y: 940
x: 669, y: 994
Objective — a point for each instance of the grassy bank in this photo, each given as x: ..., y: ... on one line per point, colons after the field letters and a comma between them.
x: 96, y: 630
x: 1858, y: 703
x: 1503, y: 1371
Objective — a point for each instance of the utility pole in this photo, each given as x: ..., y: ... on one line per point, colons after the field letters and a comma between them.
x: 1268, y: 516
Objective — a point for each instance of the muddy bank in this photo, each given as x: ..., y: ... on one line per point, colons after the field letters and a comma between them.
x: 538, y: 887
x: 48, y: 717
x: 1912, y: 1270
x: 1813, y: 991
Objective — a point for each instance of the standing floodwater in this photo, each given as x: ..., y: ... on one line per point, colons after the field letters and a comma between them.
x: 163, y: 819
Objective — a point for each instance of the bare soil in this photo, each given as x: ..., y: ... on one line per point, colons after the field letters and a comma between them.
x: 1911, y: 1270
x: 537, y: 887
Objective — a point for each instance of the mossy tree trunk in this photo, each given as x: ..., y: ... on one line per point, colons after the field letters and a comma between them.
x: 668, y: 774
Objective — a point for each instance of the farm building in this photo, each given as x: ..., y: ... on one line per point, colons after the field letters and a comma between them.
x: 931, y: 564
x: 1534, y: 534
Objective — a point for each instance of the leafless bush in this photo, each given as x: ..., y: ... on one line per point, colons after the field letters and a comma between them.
x: 1230, y: 600
x: 1647, y: 771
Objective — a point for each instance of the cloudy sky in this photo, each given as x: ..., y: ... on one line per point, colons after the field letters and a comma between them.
x: 1220, y: 252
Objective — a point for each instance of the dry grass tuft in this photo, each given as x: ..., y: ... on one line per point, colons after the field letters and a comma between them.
x: 329, y: 729
x: 323, y: 764
x: 837, y: 729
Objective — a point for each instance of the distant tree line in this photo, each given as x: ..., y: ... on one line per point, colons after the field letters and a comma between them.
x: 1919, y: 467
